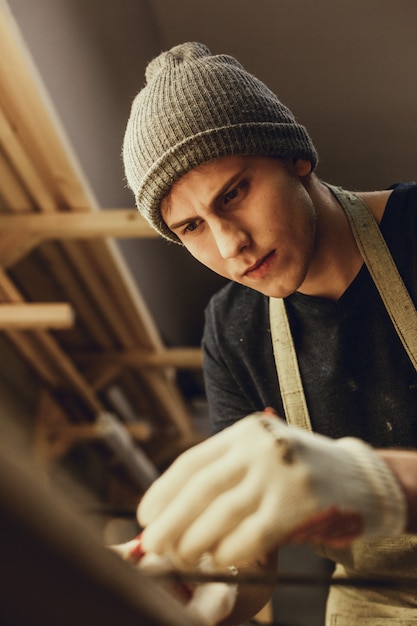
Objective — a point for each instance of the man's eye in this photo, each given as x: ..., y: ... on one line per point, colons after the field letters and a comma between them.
x: 190, y: 227
x: 231, y: 195
x: 236, y: 192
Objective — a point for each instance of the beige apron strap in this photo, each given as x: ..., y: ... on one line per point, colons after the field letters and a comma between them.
x: 385, y: 275
x: 393, y: 292
x: 286, y: 363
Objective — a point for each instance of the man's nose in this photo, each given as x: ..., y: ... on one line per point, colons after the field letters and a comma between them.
x: 230, y: 238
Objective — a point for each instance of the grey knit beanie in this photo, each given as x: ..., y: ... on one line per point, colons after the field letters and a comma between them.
x: 196, y: 107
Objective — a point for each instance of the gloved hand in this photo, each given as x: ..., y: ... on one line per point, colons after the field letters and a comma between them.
x: 259, y: 484
x: 206, y: 603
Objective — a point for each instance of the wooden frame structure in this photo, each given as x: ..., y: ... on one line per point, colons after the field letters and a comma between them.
x: 67, y: 301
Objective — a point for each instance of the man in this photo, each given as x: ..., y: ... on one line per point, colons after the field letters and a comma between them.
x: 219, y: 164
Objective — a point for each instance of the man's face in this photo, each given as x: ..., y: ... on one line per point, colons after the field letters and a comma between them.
x: 249, y: 219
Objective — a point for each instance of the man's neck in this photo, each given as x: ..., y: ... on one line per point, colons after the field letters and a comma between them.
x: 336, y: 260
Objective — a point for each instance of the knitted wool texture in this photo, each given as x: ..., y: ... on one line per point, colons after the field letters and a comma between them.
x: 196, y: 107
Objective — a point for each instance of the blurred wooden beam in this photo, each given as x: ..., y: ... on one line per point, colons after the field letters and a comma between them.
x: 14, y: 246
x: 13, y: 197
x: 76, y: 225
x: 33, y: 315
x: 18, y: 157
x: 179, y: 358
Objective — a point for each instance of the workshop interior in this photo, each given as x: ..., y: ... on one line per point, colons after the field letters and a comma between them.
x: 101, y: 382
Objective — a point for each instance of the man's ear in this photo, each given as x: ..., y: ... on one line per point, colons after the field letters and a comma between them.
x: 302, y: 167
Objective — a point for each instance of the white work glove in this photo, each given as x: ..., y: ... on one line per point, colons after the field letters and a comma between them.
x: 259, y: 484
x: 206, y: 603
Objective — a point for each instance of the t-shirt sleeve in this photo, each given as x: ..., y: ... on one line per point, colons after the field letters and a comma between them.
x: 227, y: 400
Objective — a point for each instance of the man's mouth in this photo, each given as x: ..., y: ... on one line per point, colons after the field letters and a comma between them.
x: 258, y: 269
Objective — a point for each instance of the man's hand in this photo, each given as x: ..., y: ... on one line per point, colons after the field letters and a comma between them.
x: 207, y: 603
x: 259, y: 484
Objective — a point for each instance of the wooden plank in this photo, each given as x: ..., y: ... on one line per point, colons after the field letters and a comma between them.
x: 13, y: 197
x: 179, y: 358
x: 18, y: 157
x: 33, y: 315
x: 38, y: 126
x: 97, y: 224
x: 15, y: 246
x: 8, y: 291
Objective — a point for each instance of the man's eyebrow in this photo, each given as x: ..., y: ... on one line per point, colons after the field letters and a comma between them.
x: 181, y: 223
x: 230, y: 181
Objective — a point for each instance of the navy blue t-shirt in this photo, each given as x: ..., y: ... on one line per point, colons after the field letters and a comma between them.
x: 358, y: 379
